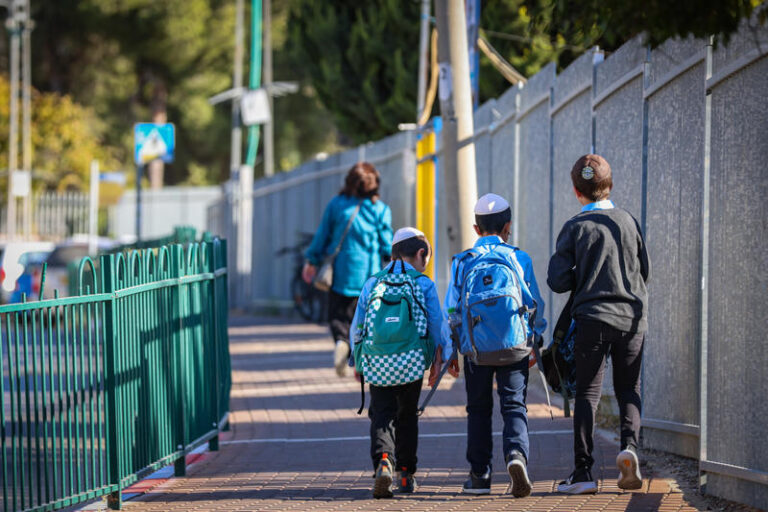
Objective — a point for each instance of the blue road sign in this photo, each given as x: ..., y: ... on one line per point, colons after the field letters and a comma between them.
x: 153, y: 141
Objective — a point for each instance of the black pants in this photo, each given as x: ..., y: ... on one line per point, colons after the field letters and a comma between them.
x: 341, y: 310
x: 394, y: 424
x: 594, y: 341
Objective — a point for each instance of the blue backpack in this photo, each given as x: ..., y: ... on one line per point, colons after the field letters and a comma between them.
x: 495, y: 323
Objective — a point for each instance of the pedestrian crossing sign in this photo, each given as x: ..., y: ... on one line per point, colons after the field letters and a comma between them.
x: 153, y: 141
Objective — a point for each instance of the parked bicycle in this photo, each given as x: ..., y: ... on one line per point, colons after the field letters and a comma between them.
x: 308, y: 301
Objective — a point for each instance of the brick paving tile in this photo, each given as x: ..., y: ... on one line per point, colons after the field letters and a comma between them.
x: 296, y: 444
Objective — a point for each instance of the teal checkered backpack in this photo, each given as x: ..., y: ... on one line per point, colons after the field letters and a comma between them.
x: 395, y: 346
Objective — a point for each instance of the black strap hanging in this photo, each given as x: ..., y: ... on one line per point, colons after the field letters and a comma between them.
x: 362, y: 394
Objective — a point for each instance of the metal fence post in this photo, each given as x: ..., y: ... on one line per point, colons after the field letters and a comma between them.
x: 177, y: 261
x: 211, y: 266
x: 113, y: 430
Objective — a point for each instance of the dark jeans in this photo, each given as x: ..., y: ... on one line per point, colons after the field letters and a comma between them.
x: 341, y: 310
x: 512, y: 384
x: 594, y: 341
x: 394, y: 424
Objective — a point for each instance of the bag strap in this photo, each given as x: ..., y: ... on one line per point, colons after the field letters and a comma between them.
x: 564, y: 320
x: 346, y: 230
x: 561, y: 329
x: 454, y: 355
x: 362, y: 394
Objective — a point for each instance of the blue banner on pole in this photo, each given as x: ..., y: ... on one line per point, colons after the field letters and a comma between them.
x: 152, y: 142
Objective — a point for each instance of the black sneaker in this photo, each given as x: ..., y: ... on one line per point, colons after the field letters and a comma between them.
x: 478, y: 484
x: 382, y: 486
x: 406, y: 484
x: 516, y: 467
x: 629, y: 470
x: 580, y: 482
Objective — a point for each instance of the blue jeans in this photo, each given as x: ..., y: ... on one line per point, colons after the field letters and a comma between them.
x: 512, y: 384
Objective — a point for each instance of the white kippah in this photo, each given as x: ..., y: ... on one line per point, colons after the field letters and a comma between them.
x: 404, y: 234
x: 490, y: 203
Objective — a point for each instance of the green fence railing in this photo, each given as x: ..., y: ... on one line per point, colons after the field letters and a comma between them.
x: 129, y: 375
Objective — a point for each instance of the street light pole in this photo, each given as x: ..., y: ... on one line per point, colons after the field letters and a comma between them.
x: 269, y: 127
x: 26, y: 145
x: 237, y: 83
x: 423, y: 50
x: 13, y: 143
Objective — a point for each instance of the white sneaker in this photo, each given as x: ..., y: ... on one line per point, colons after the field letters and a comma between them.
x: 580, y: 482
x: 340, y: 357
x: 629, y: 471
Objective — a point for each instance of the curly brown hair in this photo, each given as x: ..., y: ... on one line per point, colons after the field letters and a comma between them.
x: 362, y: 181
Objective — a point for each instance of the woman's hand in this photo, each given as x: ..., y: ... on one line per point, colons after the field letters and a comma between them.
x: 308, y: 273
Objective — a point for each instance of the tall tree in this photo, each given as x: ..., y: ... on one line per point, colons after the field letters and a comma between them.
x: 362, y: 59
x: 143, y: 60
x: 610, y: 23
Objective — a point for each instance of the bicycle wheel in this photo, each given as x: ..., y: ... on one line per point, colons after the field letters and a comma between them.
x: 301, y: 293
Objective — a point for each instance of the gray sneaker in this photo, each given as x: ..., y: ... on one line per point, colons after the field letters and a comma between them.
x: 340, y: 356
x: 518, y: 473
x: 629, y: 470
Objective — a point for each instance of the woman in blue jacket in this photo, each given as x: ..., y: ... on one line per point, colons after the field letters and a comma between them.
x: 362, y: 251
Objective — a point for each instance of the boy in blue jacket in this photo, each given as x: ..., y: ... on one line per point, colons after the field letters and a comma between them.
x: 395, y: 376
x: 510, y: 367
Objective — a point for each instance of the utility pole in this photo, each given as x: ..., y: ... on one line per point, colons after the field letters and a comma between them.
x: 466, y: 176
x: 457, y: 164
x: 26, y: 145
x: 423, y: 51
x: 237, y: 83
x: 269, y: 128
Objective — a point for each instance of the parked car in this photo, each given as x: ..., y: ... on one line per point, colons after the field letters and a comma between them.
x: 20, y: 264
x: 65, y: 258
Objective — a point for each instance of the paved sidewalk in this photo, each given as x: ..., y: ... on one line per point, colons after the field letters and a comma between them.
x: 297, y: 444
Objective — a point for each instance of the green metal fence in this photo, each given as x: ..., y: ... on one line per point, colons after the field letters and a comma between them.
x: 127, y: 376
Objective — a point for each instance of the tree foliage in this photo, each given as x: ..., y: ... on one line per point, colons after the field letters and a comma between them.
x: 66, y: 137
x: 362, y: 59
x: 610, y: 23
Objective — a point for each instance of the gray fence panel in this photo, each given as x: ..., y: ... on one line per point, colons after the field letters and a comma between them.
x: 483, y: 117
x: 571, y: 138
x: 619, y: 122
x: 533, y: 213
x: 674, y: 175
x: 502, y: 133
x: 738, y: 257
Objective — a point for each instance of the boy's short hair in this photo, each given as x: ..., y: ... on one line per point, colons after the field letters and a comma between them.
x: 591, y: 176
x: 409, y: 247
x: 493, y: 223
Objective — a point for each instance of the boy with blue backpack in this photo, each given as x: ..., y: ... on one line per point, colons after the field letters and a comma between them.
x: 493, y: 303
x: 394, y: 334
x: 601, y: 258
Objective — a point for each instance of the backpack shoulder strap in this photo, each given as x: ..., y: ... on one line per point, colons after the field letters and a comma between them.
x: 564, y: 320
x: 459, y: 259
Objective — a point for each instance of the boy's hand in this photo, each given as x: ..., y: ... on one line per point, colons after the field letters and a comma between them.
x: 532, y: 360
x: 453, y: 369
x: 437, y: 365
